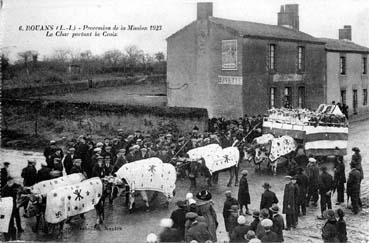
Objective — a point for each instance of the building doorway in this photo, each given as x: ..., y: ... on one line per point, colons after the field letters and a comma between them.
x: 354, y: 101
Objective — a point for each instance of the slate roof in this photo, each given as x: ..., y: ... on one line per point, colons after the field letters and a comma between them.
x: 343, y: 45
x: 246, y: 28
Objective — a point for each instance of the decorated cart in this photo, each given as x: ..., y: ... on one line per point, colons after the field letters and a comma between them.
x: 320, y: 132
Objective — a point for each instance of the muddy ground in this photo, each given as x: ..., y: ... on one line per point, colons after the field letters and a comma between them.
x: 124, y: 227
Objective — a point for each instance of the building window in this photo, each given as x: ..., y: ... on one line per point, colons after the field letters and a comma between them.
x: 301, y: 97
x: 365, y: 65
x: 343, y: 65
x: 301, y: 58
x: 343, y: 96
x: 288, y: 97
x: 365, y: 97
x: 272, y: 57
x: 273, y: 91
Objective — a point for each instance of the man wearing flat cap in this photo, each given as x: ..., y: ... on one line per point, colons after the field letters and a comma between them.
x: 356, y: 162
x: 326, y: 186
x: 227, y: 206
x: 278, y: 222
x: 312, y: 172
x: 68, y: 160
x: 179, y: 218
x: 29, y: 173
x: 290, y: 198
x: 243, y: 192
x: 353, y: 188
x: 339, y: 177
x: 43, y: 174
x: 269, y: 235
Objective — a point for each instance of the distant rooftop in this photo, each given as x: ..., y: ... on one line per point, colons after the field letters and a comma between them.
x: 343, y: 45
x: 247, y: 28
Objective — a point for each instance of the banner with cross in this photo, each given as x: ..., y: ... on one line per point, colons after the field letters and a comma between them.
x: 6, y: 209
x: 281, y: 146
x: 215, y: 157
x: 149, y: 174
x: 44, y: 187
x: 72, y: 200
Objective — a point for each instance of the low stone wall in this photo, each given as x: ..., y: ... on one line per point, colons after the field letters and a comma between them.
x: 64, y: 88
x: 64, y: 119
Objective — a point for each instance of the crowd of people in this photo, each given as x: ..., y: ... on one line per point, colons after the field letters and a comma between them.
x: 196, y: 221
x: 304, y: 187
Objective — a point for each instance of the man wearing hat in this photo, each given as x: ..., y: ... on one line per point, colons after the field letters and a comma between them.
x: 232, y: 218
x: 329, y: 230
x: 68, y: 160
x: 198, y: 231
x: 353, y: 188
x: 11, y: 189
x: 339, y: 177
x: 99, y: 169
x: 137, y: 135
x: 256, y: 221
x: 290, y: 198
x: 43, y: 174
x: 4, y: 174
x: 268, y: 198
x: 168, y: 233
x: 76, y: 168
x: 312, y: 172
x: 269, y: 235
x: 303, y: 183
x: 243, y: 192
x: 49, y: 151
x: 29, y: 173
x: 205, y: 208
x: 356, y: 161
x: 226, y: 208
x: 238, y: 233
x: 260, y: 231
x: 179, y: 218
x: 121, y: 160
x: 326, y: 186
x: 278, y: 222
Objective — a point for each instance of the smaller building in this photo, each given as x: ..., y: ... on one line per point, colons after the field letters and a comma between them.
x: 347, y: 72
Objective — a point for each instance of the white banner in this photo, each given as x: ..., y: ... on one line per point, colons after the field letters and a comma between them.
x: 6, y: 209
x: 44, y: 187
x: 215, y: 157
x: 64, y: 202
x: 200, y: 152
x: 150, y: 174
x: 281, y: 146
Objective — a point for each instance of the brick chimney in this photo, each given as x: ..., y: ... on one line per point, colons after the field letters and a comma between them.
x: 345, y: 33
x: 204, y: 10
x: 289, y: 16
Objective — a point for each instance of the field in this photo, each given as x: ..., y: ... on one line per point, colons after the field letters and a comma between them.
x: 137, y: 94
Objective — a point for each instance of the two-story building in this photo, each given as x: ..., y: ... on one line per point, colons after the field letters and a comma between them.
x: 233, y: 68
x: 347, y: 72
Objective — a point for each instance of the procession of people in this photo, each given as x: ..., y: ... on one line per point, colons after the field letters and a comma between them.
x: 195, y: 219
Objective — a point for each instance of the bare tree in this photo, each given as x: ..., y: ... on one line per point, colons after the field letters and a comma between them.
x: 112, y: 57
x: 159, y: 56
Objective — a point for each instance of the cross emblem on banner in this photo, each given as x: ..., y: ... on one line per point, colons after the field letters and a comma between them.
x: 226, y: 158
x: 78, y: 195
x: 58, y: 214
x: 152, y: 169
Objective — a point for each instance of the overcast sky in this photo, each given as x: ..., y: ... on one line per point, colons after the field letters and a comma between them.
x: 320, y: 18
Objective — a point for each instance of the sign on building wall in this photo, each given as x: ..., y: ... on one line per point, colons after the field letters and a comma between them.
x: 287, y: 77
x: 233, y: 80
x: 229, y: 54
